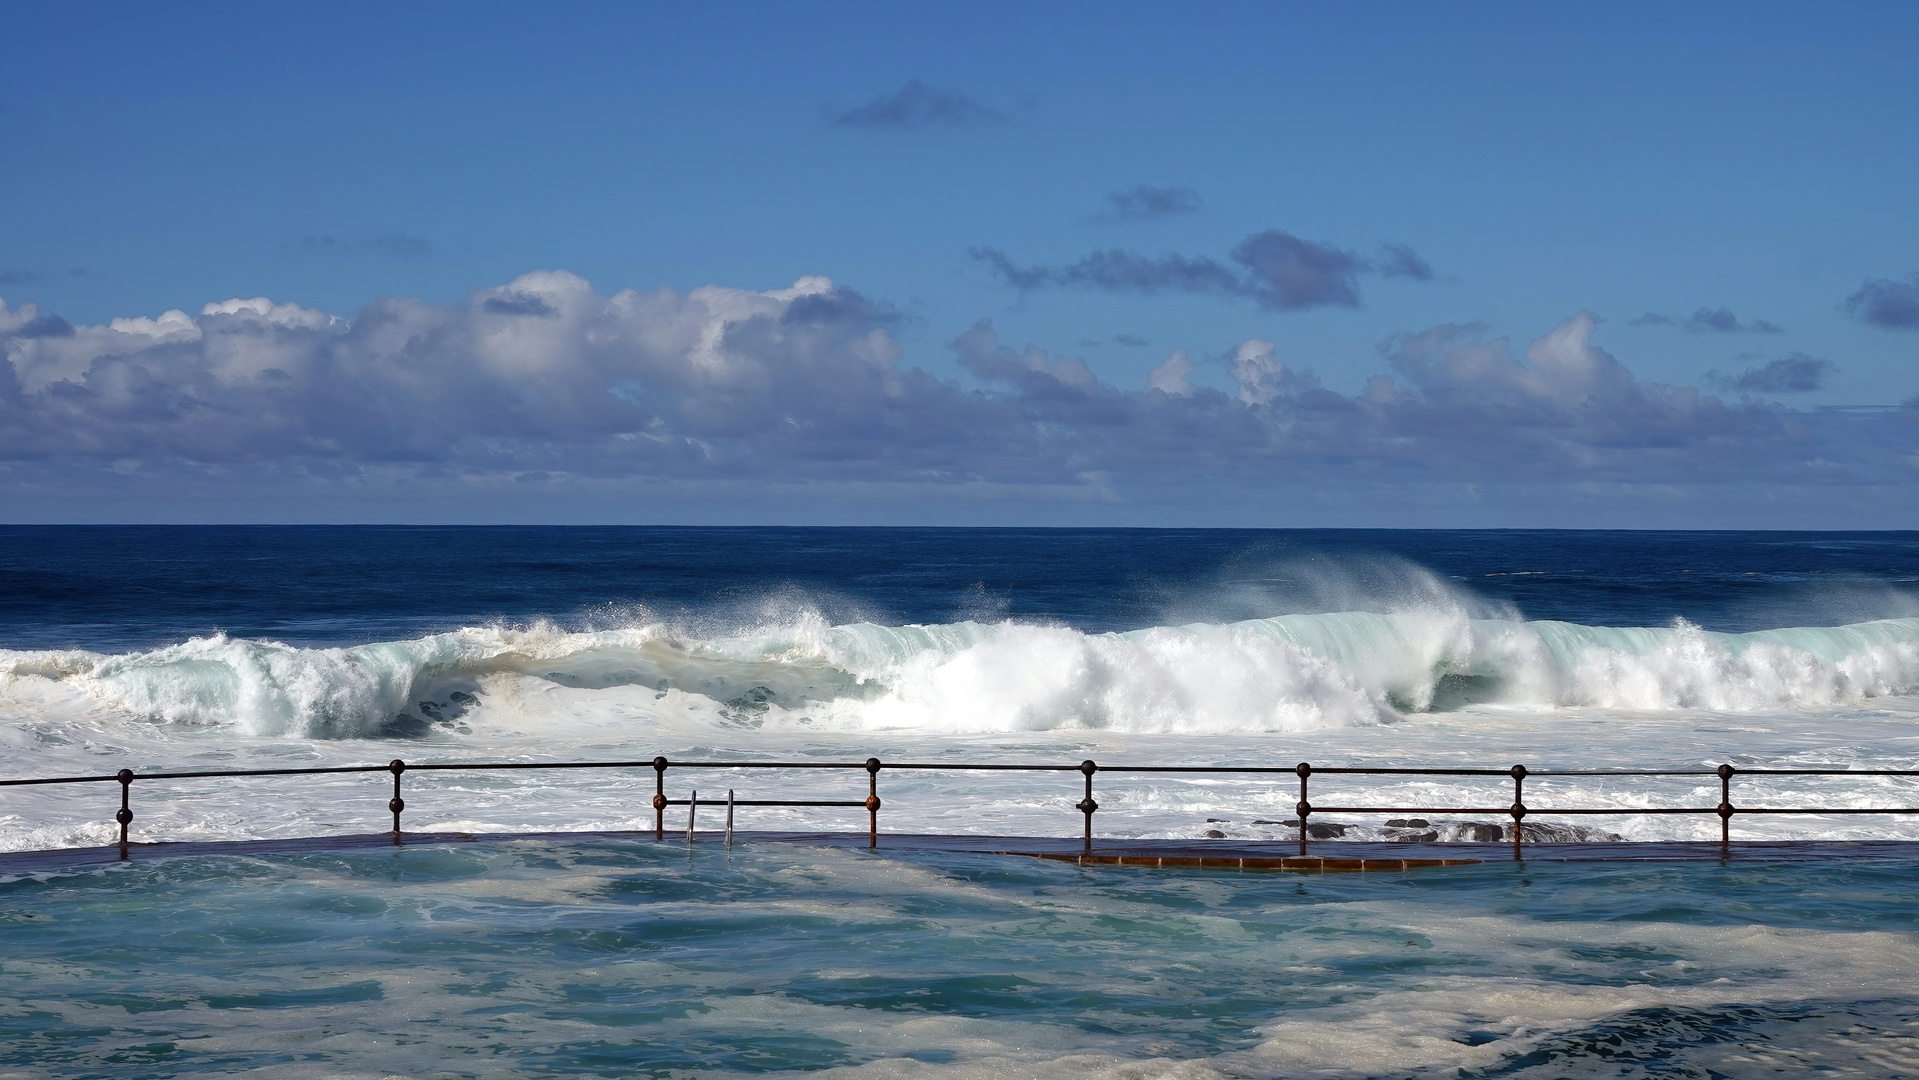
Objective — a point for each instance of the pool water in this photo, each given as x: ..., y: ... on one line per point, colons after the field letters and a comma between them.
x: 615, y: 957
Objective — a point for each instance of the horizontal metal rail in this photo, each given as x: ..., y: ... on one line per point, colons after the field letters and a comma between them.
x: 1518, y: 811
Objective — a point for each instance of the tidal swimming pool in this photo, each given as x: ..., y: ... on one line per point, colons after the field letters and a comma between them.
x: 614, y: 957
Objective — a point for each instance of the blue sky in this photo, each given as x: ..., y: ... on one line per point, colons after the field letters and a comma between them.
x: 1299, y: 200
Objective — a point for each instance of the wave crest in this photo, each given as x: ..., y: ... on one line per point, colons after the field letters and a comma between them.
x: 1288, y: 673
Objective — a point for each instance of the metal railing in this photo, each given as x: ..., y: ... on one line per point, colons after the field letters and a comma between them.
x: 1519, y: 811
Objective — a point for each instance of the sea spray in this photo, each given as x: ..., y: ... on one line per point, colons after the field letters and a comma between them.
x: 1280, y: 674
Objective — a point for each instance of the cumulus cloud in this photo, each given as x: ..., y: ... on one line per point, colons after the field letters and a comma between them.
x: 1170, y: 376
x: 1719, y: 320
x: 1261, y: 375
x: 546, y: 381
x: 1887, y: 303
x: 915, y: 106
x: 1143, y: 202
x: 1275, y: 269
x: 1793, y: 373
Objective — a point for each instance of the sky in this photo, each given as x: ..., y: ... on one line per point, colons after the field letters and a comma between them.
x: 1393, y: 265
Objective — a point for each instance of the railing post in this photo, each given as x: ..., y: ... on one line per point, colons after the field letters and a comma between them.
x: 729, y: 817
x: 1303, y: 808
x: 125, y: 814
x: 1519, y: 804
x: 1087, y: 805
x: 692, y: 808
x: 396, y: 804
x: 1725, y: 809
x: 659, y: 799
x: 872, y: 802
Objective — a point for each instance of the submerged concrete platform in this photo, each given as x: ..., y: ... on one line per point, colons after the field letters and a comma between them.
x: 1322, y: 856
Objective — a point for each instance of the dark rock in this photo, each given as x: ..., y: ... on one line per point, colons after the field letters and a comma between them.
x: 1426, y: 837
x: 1477, y: 832
x: 1321, y: 830
x: 1262, y: 821
x: 1542, y: 833
x: 749, y: 709
x: 405, y: 726
x: 1408, y: 823
x: 1218, y: 821
x: 1215, y: 834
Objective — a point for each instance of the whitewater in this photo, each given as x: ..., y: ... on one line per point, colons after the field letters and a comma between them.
x: 1433, y: 686
x: 601, y: 952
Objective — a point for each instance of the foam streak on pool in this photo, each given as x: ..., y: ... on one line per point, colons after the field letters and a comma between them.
x: 607, y: 957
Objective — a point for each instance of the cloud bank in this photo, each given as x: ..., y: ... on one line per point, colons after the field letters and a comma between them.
x: 1275, y: 269
x: 544, y: 381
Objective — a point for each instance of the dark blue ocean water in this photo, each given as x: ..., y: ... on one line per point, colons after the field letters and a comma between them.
x: 115, y: 588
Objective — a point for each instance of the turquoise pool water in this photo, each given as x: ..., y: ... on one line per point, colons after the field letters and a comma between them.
x: 626, y: 958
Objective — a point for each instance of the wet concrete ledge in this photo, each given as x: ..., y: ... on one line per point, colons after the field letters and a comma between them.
x: 1321, y: 857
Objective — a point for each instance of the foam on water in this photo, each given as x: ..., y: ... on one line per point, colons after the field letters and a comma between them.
x: 616, y: 958
x: 1430, y: 685
x: 1288, y: 673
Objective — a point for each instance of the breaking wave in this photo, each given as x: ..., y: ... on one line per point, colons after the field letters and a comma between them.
x: 1287, y: 673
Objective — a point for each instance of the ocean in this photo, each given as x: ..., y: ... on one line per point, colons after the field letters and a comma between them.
x: 158, y: 648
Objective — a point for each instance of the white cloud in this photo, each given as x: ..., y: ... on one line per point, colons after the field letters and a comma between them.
x: 543, y: 379
x: 1260, y: 375
x: 1170, y: 376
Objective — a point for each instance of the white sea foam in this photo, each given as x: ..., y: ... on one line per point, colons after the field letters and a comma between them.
x: 861, y: 967
x: 1282, y: 674
x: 1425, y: 686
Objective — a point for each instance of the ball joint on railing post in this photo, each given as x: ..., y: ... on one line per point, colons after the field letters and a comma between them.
x: 659, y: 799
x: 1725, y: 808
x: 1302, y: 807
x: 1087, y: 805
x: 872, y: 802
x: 125, y: 814
x: 396, y: 804
x: 1519, y: 804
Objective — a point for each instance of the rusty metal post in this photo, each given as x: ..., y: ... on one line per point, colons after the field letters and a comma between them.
x: 1519, y: 805
x: 729, y: 817
x: 1087, y: 805
x: 1725, y: 808
x: 1303, y: 808
x: 872, y: 802
x: 659, y: 799
x: 692, y: 808
x: 396, y: 804
x: 125, y: 814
